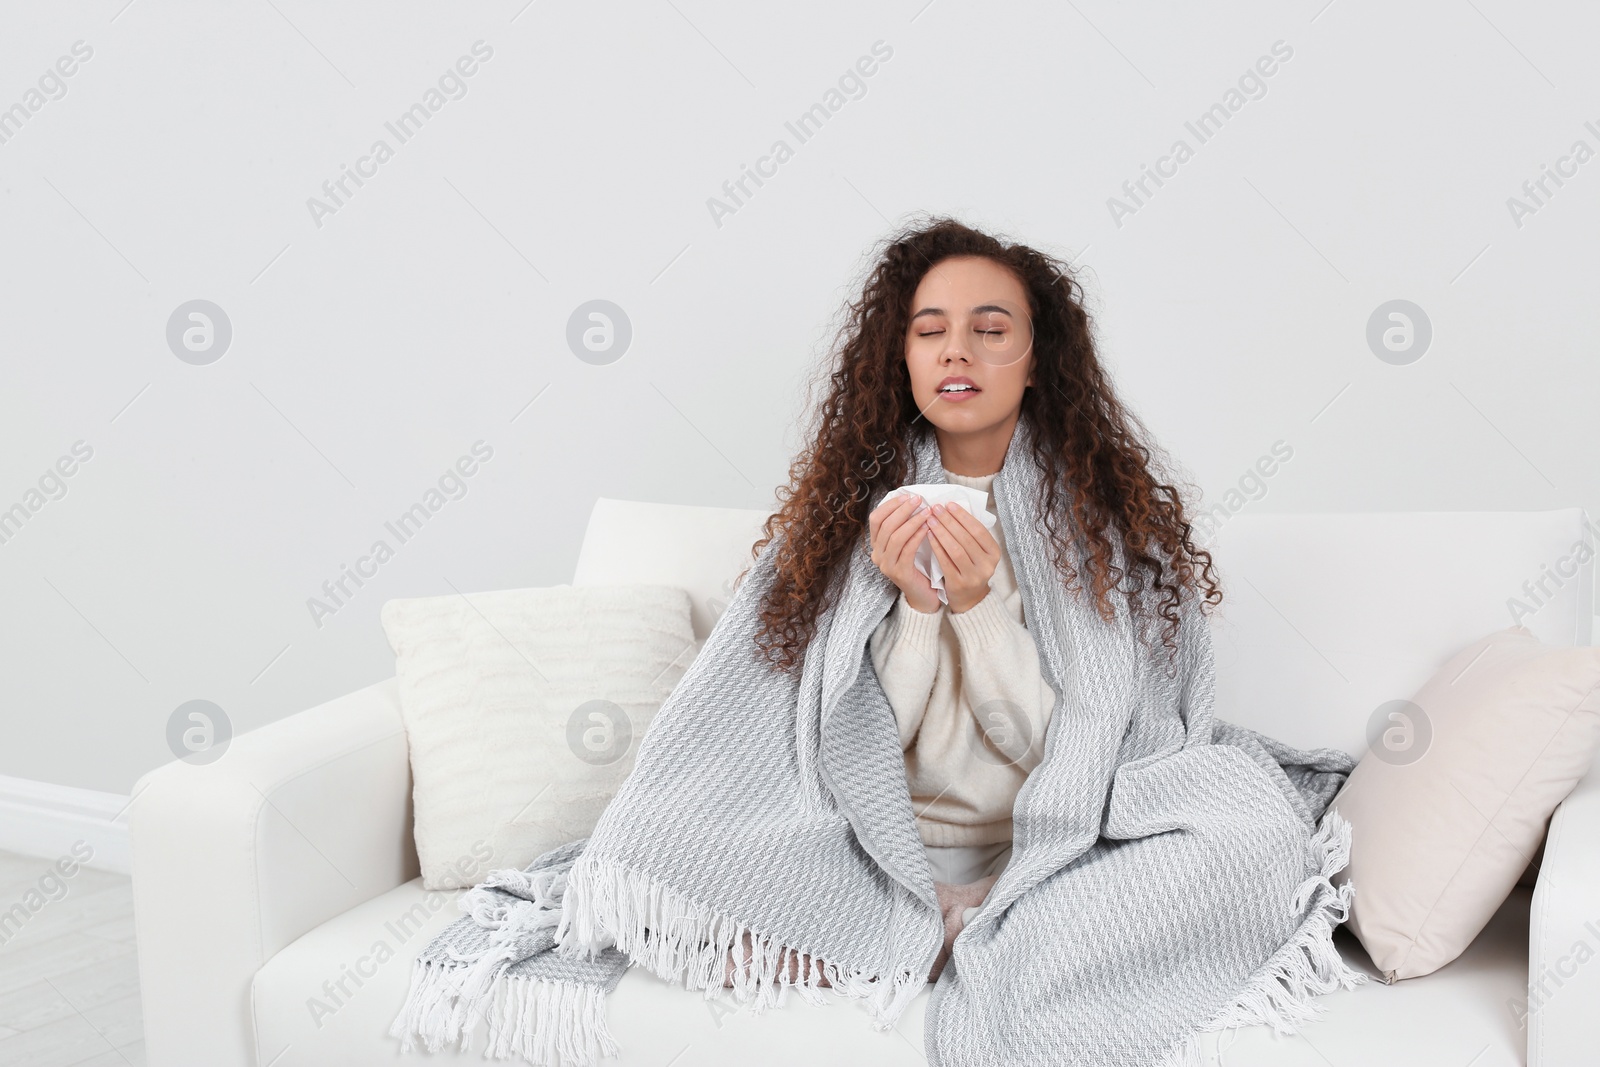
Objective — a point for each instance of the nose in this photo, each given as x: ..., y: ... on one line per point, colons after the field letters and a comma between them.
x: 955, y: 346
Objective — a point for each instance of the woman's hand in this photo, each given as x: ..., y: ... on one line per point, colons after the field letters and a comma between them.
x: 967, y: 552
x: 953, y: 900
x: 896, y: 534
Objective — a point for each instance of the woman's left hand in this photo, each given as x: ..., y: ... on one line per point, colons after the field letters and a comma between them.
x: 967, y: 552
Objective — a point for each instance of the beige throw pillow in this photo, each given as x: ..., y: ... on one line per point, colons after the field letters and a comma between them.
x: 1450, y: 803
x: 523, y: 709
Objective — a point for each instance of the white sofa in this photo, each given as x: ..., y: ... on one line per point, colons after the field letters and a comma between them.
x: 278, y: 904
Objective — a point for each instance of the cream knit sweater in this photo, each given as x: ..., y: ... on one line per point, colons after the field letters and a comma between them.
x: 970, y: 701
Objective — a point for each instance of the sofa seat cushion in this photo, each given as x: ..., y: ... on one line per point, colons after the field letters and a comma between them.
x: 328, y: 998
x: 1466, y: 1012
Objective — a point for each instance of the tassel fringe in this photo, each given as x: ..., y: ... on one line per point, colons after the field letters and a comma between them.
x: 1281, y: 994
x: 545, y: 1023
x: 681, y: 940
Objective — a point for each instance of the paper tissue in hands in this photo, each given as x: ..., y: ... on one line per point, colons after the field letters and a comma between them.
x: 975, y: 501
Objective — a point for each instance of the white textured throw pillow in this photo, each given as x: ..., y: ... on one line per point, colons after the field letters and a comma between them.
x: 523, y: 709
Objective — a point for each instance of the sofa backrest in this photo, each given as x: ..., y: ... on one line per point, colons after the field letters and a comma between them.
x: 1325, y: 617
x: 699, y: 549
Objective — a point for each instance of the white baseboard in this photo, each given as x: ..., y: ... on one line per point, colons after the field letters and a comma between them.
x: 45, y: 820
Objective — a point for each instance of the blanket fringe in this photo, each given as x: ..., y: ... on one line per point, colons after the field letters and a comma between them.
x: 678, y: 938
x: 544, y: 1022
x: 1281, y: 994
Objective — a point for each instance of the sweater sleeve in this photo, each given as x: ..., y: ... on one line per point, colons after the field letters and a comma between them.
x: 1003, y: 683
x: 905, y: 653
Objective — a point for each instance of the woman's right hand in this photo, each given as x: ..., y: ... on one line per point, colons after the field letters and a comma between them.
x: 896, y: 534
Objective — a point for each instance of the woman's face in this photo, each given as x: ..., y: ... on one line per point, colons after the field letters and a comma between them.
x: 969, y: 326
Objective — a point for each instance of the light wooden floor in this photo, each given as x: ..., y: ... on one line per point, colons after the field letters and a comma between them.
x: 69, y: 976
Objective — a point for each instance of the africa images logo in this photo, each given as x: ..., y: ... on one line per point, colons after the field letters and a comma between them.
x: 451, y: 85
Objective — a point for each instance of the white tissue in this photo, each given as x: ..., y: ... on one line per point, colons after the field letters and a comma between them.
x: 976, y: 501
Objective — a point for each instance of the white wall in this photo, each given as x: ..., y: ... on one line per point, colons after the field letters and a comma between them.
x: 371, y: 351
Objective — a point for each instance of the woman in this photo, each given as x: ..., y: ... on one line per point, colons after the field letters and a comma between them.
x: 972, y: 335
x: 1172, y: 871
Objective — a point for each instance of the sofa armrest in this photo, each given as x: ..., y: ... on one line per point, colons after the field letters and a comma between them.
x: 1564, y: 935
x: 293, y: 824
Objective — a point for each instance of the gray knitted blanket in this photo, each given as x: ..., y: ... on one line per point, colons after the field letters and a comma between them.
x: 1169, y: 872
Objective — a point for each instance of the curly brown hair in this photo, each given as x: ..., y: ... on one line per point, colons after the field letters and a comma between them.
x: 1084, y: 440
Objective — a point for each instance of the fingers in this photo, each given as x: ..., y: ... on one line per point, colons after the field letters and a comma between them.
x: 953, y: 554
x: 966, y: 530
x: 964, y: 540
x: 878, y: 520
x: 890, y: 516
x: 965, y: 548
x: 883, y: 523
x: 908, y: 533
x: 880, y: 514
